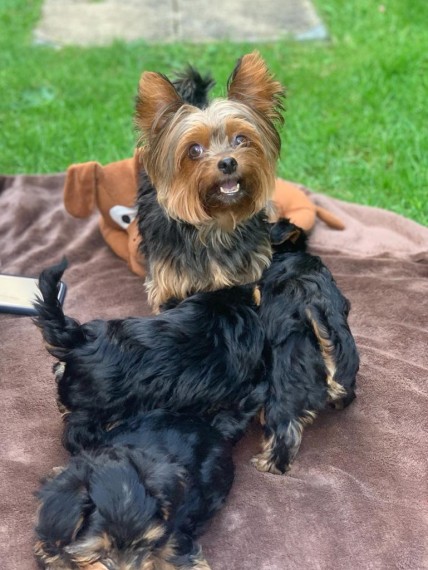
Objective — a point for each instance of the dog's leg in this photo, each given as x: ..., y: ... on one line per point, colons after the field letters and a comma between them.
x: 281, y: 444
x: 233, y: 423
x: 197, y: 562
x: 185, y: 555
x: 344, y: 402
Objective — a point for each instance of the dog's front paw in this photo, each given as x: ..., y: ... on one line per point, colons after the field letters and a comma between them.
x: 267, y: 465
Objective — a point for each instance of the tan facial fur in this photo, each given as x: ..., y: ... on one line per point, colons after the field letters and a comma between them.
x: 188, y: 188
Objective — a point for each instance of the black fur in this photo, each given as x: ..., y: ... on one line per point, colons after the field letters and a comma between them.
x: 160, y: 470
x: 204, y: 356
x: 164, y: 238
x: 192, y: 87
x: 298, y: 290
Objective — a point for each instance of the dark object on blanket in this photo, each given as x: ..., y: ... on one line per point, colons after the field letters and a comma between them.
x: 314, y: 356
x: 139, y: 501
x: 205, y: 356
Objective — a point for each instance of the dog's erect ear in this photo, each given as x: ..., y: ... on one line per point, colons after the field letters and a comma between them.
x: 80, y: 188
x: 252, y: 83
x: 157, y: 100
x: 283, y: 231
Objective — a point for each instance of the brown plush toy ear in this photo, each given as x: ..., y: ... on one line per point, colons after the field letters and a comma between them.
x: 80, y: 189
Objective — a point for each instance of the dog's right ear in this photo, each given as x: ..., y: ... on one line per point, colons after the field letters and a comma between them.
x: 283, y: 230
x: 157, y: 100
x: 80, y: 188
x: 252, y: 83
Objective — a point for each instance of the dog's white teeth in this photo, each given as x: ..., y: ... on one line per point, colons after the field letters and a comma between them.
x: 231, y: 190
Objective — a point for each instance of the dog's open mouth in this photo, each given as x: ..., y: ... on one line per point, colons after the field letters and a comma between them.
x: 226, y: 192
x: 230, y: 187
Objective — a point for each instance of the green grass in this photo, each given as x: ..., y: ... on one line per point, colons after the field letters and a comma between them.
x: 357, y: 113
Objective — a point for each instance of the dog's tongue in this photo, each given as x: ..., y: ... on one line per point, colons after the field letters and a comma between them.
x: 229, y: 187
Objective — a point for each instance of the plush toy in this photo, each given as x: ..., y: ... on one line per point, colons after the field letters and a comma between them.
x: 112, y: 190
x: 291, y: 202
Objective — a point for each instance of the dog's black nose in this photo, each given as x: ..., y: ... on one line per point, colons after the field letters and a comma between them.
x: 227, y: 165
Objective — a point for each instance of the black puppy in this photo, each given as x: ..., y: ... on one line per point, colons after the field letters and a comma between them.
x: 138, y: 501
x: 205, y: 356
x: 314, y: 357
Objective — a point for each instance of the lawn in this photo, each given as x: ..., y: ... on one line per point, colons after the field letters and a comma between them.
x: 356, y: 119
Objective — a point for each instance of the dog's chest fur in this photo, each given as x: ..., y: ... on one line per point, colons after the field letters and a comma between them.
x: 182, y: 259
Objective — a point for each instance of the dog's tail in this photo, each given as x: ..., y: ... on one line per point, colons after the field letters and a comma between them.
x: 59, y: 332
x: 192, y: 87
x: 321, y: 330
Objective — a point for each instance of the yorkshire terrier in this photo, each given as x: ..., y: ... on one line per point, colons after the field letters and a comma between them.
x: 206, y: 356
x: 209, y: 174
x: 314, y: 356
x: 137, y: 502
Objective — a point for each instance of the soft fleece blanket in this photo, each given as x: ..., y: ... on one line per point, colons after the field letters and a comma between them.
x: 357, y: 495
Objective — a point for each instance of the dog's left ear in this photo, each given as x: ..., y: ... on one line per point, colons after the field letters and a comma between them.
x: 252, y: 83
x: 157, y: 101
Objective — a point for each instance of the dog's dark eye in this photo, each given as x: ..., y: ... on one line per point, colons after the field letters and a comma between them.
x: 239, y: 140
x: 196, y: 151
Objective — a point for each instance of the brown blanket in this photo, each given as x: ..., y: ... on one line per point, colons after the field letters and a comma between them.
x: 356, y: 497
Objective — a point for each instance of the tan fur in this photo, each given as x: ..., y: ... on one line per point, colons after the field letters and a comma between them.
x: 253, y: 84
x: 257, y: 296
x: 51, y: 562
x: 188, y: 187
x: 200, y: 564
x: 160, y: 559
x: 183, y: 185
x: 264, y: 461
x: 156, y: 96
x: 334, y: 389
x: 89, y: 555
x: 88, y: 551
x: 154, y: 533
x: 166, y: 282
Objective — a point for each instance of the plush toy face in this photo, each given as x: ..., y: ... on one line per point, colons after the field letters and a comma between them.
x: 112, y: 191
